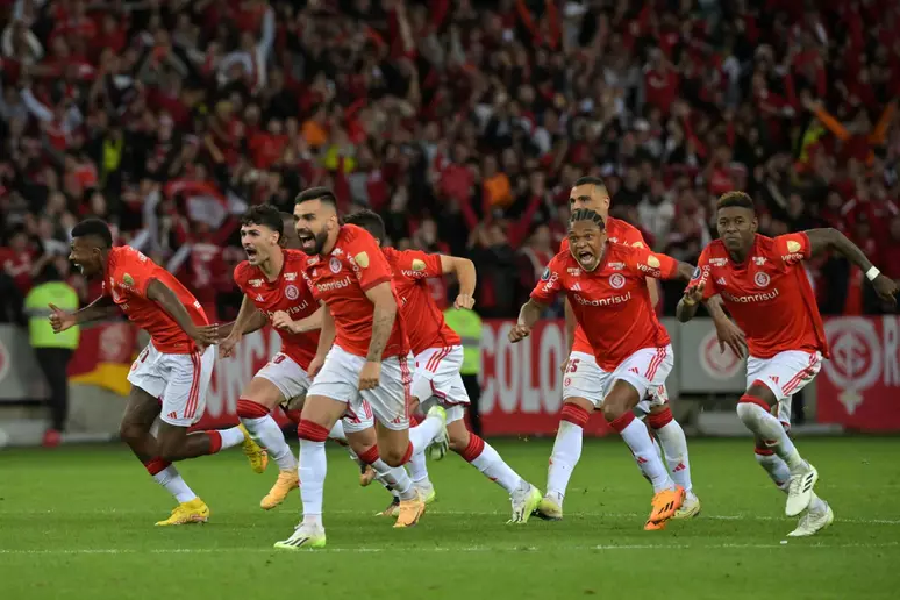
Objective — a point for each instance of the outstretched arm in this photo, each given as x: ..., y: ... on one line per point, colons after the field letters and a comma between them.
x: 101, y: 308
x: 829, y: 238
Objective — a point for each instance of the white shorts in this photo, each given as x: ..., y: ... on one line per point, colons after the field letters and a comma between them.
x: 585, y: 379
x: 437, y: 374
x: 286, y: 375
x: 338, y: 379
x: 179, y: 381
x: 785, y: 374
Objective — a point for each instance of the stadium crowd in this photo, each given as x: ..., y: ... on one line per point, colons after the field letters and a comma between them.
x: 462, y: 122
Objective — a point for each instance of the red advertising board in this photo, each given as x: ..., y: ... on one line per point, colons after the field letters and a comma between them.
x: 859, y: 387
x: 522, y: 383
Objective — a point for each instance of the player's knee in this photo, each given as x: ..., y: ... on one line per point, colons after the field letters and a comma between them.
x: 394, y: 457
x: 612, y: 409
x: 131, y: 433
x: 169, y: 449
x: 458, y: 438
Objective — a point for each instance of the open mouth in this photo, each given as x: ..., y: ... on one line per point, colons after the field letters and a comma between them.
x: 307, y: 239
x: 251, y: 253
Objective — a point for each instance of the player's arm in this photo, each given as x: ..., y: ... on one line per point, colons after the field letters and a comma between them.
x: 653, y: 290
x: 571, y: 325
x: 101, y: 308
x: 543, y: 294
x: 828, y: 238
x: 326, y: 334
x: 384, y: 312
x: 282, y: 320
x: 529, y: 314
x: 464, y: 269
x: 166, y: 299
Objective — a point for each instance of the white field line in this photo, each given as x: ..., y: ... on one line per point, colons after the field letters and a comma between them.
x: 406, y: 550
x: 463, y: 513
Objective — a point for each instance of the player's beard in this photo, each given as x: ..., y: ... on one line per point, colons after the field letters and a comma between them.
x: 313, y: 243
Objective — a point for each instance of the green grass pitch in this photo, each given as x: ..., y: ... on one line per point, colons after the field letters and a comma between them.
x: 78, y: 523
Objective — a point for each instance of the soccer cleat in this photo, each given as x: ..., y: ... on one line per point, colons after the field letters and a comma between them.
x: 800, y: 491
x: 287, y: 481
x: 549, y: 509
x: 525, y: 500
x: 665, y: 503
x: 811, y: 523
x: 255, y: 454
x: 305, y: 536
x: 393, y: 509
x: 426, y: 491
x: 366, y: 475
x: 410, y: 512
x: 440, y: 445
x: 651, y: 526
x: 192, y: 511
x: 690, y: 508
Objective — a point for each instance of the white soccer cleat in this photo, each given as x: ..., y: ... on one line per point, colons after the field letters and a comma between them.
x: 525, y: 500
x: 811, y: 523
x: 440, y: 445
x: 690, y: 508
x: 800, y: 491
x: 305, y: 536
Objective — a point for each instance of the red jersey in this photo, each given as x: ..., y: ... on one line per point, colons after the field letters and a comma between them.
x: 127, y: 275
x: 618, y: 232
x: 611, y: 303
x: 288, y: 293
x: 769, y: 296
x: 341, y: 280
x: 412, y: 269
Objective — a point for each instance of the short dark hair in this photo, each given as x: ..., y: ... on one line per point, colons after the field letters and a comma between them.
x: 267, y: 215
x: 96, y: 228
x: 586, y: 214
x: 317, y: 193
x: 735, y: 199
x: 590, y: 181
x: 370, y: 221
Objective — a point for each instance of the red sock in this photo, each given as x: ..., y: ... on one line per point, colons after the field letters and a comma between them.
x: 215, y: 440
x: 369, y: 456
x: 155, y: 465
x: 622, y: 422
x: 574, y: 414
x: 473, y: 449
x: 248, y: 409
x: 660, y: 420
x: 415, y: 420
x: 313, y: 432
x: 293, y: 414
x: 408, y: 455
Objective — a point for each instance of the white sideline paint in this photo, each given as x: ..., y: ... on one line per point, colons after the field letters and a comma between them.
x: 601, y: 548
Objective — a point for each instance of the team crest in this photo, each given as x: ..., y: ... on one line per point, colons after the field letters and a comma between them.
x: 291, y: 292
x: 335, y: 265
x: 762, y: 279
x: 793, y: 246
x: 128, y: 279
x: 418, y: 265
x: 362, y: 259
x: 617, y: 280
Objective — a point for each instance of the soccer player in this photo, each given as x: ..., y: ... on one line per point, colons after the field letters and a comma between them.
x: 438, y: 357
x: 583, y: 393
x: 764, y: 286
x: 170, y: 376
x: 606, y: 286
x: 360, y: 361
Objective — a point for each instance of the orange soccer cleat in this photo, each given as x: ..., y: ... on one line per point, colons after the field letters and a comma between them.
x: 664, y: 505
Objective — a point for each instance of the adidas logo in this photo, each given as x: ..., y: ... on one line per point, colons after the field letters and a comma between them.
x: 633, y: 370
x: 721, y: 281
x: 680, y: 467
x: 576, y: 287
x: 172, y: 415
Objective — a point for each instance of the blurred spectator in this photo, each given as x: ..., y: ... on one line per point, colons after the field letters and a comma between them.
x: 170, y: 118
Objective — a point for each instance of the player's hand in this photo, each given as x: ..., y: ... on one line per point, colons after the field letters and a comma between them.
x: 886, y: 288
x: 203, y: 337
x: 61, y: 320
x: 282, y: 320
x: 564, y: 365
x: 315, y: 365
x: 519, y: 332
x: 369, y: 376
x: 464, y: 301
x: 694, y: 293
x: 731, y: 335
x: 226, y: 346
